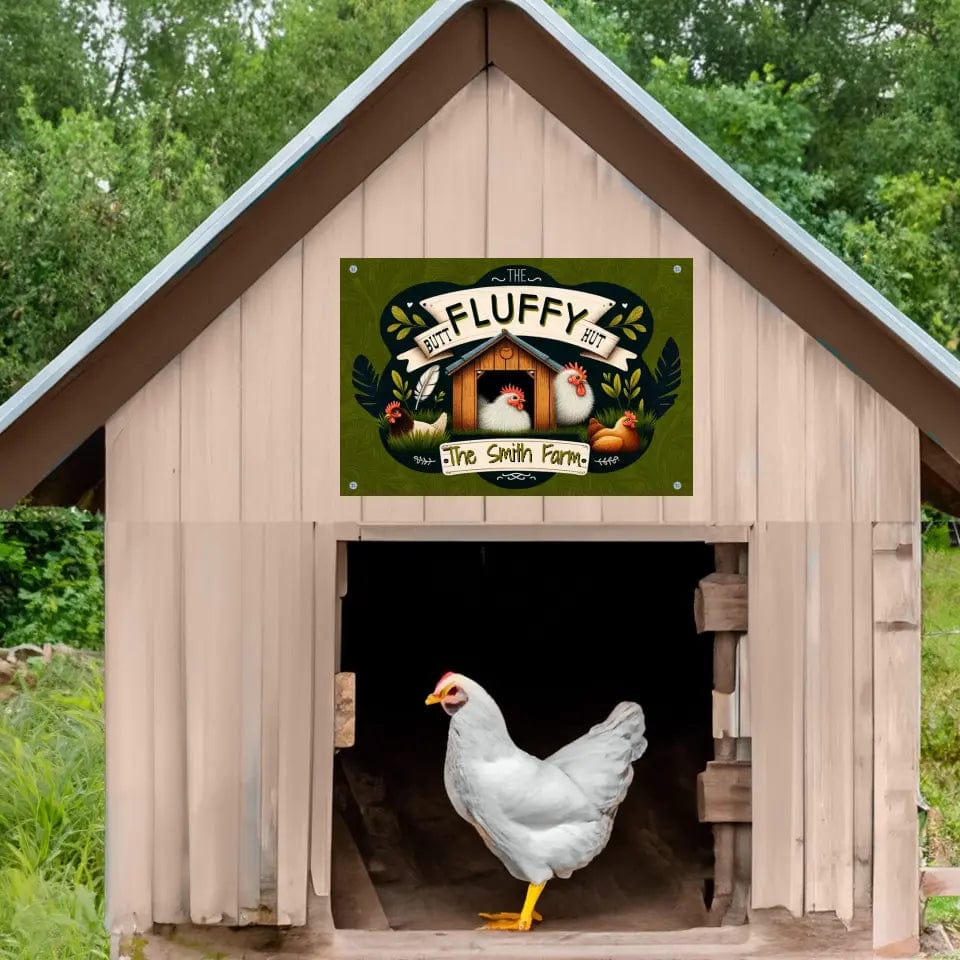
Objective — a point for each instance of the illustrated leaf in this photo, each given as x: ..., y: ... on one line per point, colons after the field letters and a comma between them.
x: 402, y: 333
x: 634, y: 393
x: 398, y: 314
x: 668, y: 376
x: 609, y: 391
x: 640, y: 328
x: 635, y: 314
x: 617, y: 320
x: 366, y: 381
x: 406, y: 395
x: 634, y: 377
x: 398, y: 394
x: 393, y: 326
x: 606, y: 377
x: 630, y: 333
x: 426, y: 384
x: 617, y: 384
x: 396, y: 378
x: 419, y: 321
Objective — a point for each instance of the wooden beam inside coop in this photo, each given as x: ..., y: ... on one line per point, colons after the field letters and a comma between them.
x: 720, y: 603
x: 723, y: 792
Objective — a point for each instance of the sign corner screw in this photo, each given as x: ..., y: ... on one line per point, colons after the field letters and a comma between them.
x: 353, y: 268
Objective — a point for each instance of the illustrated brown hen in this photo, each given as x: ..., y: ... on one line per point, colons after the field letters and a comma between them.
x: 621, y: 438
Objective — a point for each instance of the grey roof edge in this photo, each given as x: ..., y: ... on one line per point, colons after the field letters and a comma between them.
x: 191, y: 250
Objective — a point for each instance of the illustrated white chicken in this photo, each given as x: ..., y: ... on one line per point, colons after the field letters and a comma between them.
x: 505, y: 414
x: 541, y: 818
x: 572, y: 395
x: 401, y: 422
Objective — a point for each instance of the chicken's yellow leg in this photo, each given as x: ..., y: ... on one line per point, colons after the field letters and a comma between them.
x: 517, y: 921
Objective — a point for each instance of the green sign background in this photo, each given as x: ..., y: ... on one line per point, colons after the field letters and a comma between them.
x: 368, y: 288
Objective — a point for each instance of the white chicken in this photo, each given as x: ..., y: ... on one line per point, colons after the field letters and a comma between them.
x: 505, y: 414
x: 541, y: 818
x: 572, y: 395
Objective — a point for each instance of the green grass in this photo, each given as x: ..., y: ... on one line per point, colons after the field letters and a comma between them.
x: 940, y: 721
x: 52, y: 815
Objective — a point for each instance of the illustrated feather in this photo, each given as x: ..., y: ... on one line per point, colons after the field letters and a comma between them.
x: 366, y: 381
x: 426, y: 384
x: 667, y: 378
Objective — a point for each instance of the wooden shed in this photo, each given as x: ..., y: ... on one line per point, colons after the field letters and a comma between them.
x: 497, y: 363
x: 239, y: 582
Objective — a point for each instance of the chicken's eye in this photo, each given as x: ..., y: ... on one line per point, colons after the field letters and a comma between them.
x: 453, y: 691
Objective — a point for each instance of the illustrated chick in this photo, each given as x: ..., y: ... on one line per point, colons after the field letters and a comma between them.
x: 541, y: 818
x: 572, y: 395
x: 505, y: 414
x: 401, y: 422
x: 621, y: 438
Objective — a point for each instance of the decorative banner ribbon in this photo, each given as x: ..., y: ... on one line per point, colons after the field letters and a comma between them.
x: 511, y: 454
x: 480, y: 313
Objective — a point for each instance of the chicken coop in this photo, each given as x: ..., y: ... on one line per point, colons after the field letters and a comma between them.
x: 270, y: 640
x: 496, y: 364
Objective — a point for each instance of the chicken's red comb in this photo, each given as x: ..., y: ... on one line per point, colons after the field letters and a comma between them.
x: 576, y: 368
x: 510, y: 388
x: 391, y: 406
x: 444, y: 679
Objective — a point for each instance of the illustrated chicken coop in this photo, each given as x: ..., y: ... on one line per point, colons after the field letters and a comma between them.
x: 498, y: 363
x: 273, y: 623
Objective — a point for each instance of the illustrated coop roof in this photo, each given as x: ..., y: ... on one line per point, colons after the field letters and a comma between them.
x: 504, y: 335
x: 67, y: 402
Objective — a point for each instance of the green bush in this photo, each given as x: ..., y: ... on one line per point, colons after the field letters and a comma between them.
x: 51, y: 577
x: 52, y: 814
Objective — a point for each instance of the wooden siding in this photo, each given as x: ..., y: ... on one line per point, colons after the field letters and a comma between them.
x: 786, y: 439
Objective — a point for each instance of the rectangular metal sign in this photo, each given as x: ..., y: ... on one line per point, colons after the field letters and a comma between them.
x: 553, y: 377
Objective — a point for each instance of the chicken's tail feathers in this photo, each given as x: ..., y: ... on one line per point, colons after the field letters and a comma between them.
x: 629, y: 718
x: 441, y: 423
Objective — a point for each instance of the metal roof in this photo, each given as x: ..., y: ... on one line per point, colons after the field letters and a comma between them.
x: 202, y: 240
x: 504, y: 335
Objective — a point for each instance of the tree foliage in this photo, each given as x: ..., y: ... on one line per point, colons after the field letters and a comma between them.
x: 133, y: 119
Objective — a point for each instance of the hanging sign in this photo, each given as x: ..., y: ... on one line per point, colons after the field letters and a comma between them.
x: 560, y: 377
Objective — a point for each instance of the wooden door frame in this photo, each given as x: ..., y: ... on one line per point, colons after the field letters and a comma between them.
x: 331, y: 563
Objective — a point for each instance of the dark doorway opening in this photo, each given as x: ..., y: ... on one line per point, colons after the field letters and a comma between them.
x: 491, y: 382
x: 558, y: 633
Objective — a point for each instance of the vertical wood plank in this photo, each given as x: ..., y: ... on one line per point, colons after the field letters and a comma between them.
x: 212, y: 635
x: 865, y: 452
x: 515, y: 158
x: 251, y: 666
x: 829, y: 774
x: 572, y: 223
x: 733, y: 390
x: 271, y: 330
x: 145, y: 759
x: 210, y: 508
x: 325, y: 640
x: 829, y: 435
x: 896, y: 690
x: 339, y: 234
x: 898, y: 466
x: 455, y: 219
x: 393, y: 206
x: 863, y: 716
x: 210, y: 441
x: 675, y: 241
x: 777, y: 599
x: 781, y: 412
x: 291, y: 613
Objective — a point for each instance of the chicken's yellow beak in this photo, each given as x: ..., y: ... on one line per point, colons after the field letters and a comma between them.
x: 433, y: 698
